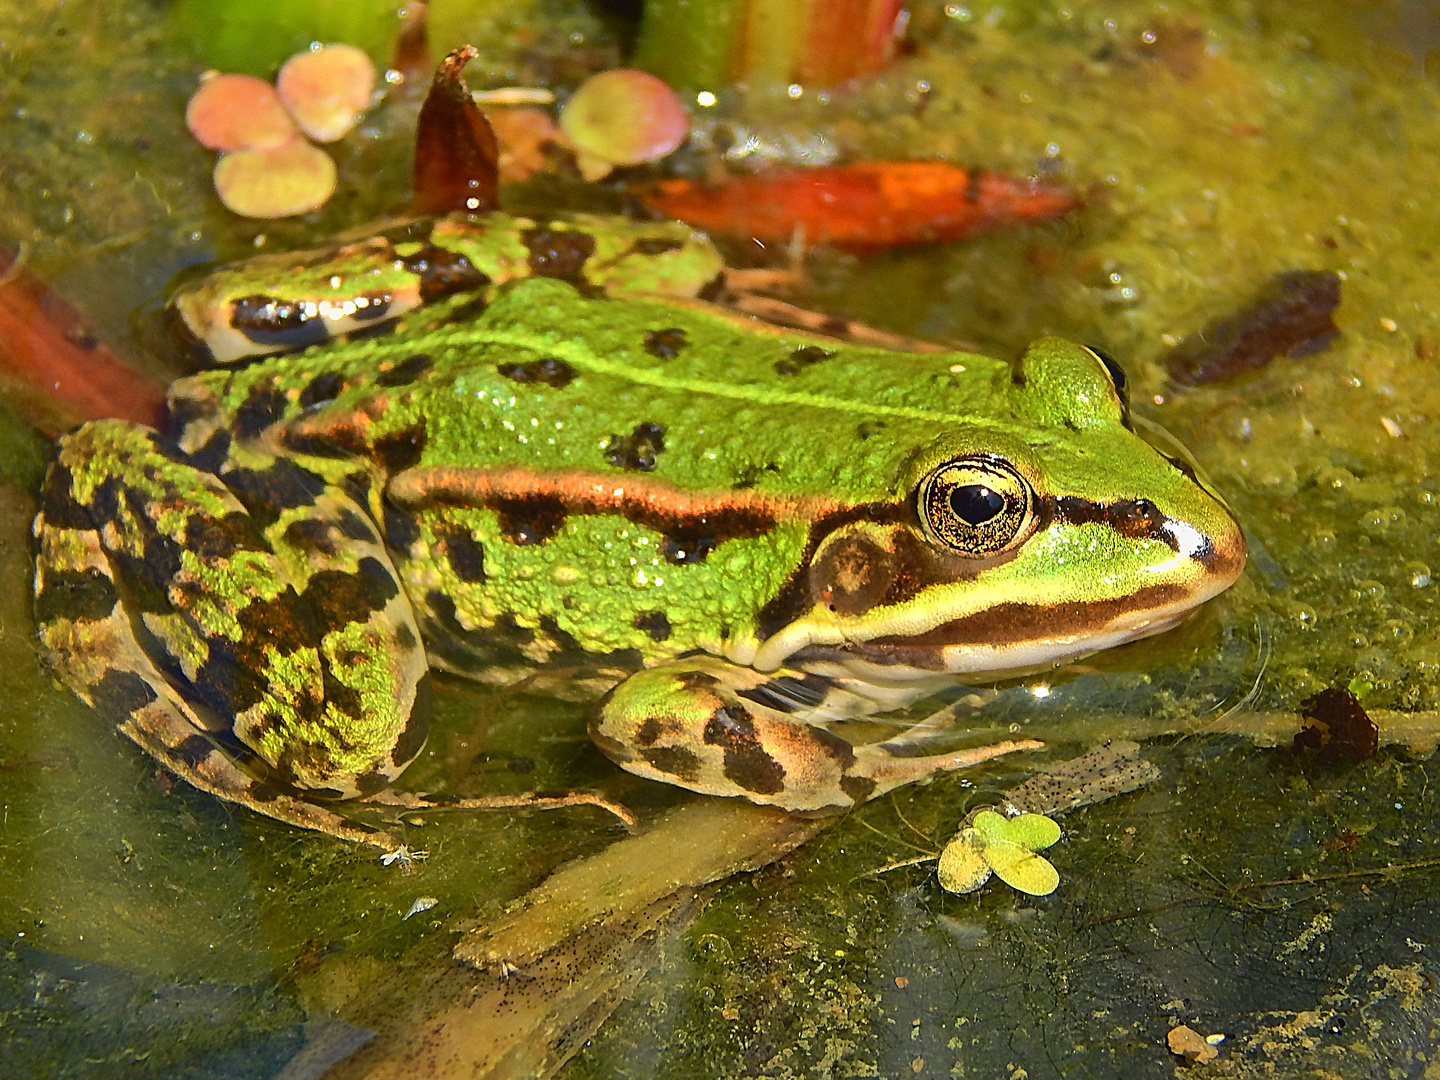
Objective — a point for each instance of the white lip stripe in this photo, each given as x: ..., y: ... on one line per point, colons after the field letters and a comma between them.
x: 1190, y: 540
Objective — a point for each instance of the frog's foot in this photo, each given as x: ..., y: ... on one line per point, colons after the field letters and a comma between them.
x: 721, y: 729
x: 169, y: 738
x: 247, y: 629
x: 525, y: 800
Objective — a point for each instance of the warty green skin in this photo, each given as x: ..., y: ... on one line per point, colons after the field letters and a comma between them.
x: 602, y: 489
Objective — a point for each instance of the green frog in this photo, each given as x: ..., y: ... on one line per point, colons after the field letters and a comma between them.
x: 527, y: 451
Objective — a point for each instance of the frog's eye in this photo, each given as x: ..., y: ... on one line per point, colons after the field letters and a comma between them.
x: 976, y: 505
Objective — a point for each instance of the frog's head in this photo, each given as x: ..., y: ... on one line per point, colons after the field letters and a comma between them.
x: 1043, y: 532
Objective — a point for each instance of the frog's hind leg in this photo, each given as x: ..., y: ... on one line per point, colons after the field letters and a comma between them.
x: 249, y: 633
x: 721, y: 729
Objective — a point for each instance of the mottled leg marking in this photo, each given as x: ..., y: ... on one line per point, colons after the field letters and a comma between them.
x: 202, y: 765
x: 246, y: 629
x: 720, y: 729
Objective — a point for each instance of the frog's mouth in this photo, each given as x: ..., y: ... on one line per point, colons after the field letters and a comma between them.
x: 1010, y: 641
x: 1020, y: 622
x: 1016, y: 639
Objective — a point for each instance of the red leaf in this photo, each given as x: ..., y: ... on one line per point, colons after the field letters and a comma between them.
x: 870, y: 204
x: 44, y: 342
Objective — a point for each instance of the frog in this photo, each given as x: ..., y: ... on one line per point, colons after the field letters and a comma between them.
x: 536, y: 454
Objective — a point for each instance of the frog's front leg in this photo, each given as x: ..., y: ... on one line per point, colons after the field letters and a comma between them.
x: 247, y: 629
x: 721, y: 729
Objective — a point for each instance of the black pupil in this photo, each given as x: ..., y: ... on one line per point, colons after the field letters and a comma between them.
x: 976, y: 504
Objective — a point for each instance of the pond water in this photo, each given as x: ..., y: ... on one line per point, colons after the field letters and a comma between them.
x: 1285, y: 903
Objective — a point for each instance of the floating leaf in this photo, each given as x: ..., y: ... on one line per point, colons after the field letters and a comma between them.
x: 1021, y: 868
x: 1005, y: 846
x: 623, y: 117
x: 327, y: 89
x: 1031, y: 831
x: 292, y: 179
x: 238, y: 112
x: 963, y: 868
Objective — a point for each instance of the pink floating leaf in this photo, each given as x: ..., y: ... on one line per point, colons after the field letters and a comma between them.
x: 238, y: 112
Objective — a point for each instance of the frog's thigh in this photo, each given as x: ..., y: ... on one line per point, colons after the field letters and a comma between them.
x: 712, y: 727
x: 164, y: 596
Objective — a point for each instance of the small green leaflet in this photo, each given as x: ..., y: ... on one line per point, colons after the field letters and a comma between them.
x: 1003, y: 846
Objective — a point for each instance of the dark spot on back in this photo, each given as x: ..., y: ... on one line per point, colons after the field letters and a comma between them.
x: 263, y: 406
x: 322, y: 389
x: 713, y: 289
x: 401, y: 530
x: 341, y: 441
x: 211, y: 538
x: 466, y: 556
x: 58, y: 502
x: 654, y: 623
x: 551, y: 371
x: 558, y: 254
x: 275, y: 322
x: 467, y: 312
x: 399, y: 450
x: 369, y: 782
x: 342, y: 597
x: 685, y: 547
x: 802, y: 358
x: 444, y: 273
x: 638, y: 450
x: 371, y: 331
x: 213, y: 453
x: 282, y: 485
x: 184, y: 411
x: 405, y: 372
x: 311, y: 534
x: 354, y: 526
x: 665, y: 344
x: 530, y: 520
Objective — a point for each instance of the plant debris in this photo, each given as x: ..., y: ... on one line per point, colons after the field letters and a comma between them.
x: 1290, y: 317
x: 1337, y: 728
x: 457, y: 160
